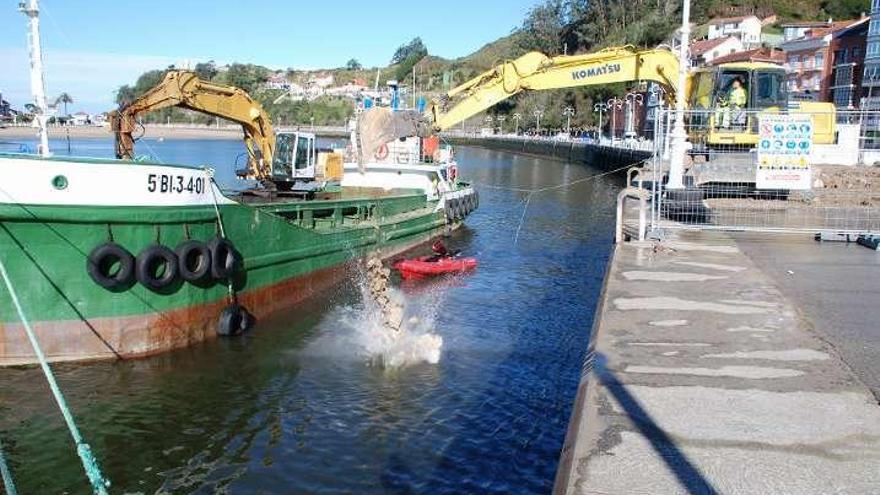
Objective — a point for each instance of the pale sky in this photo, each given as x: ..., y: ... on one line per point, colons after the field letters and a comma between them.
x: 92, y: 47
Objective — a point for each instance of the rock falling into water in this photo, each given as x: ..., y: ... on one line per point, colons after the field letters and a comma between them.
x: 377, y: 278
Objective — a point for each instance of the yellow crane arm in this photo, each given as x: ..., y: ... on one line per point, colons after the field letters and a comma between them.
x: 536, y: 71
x: 185, y: 89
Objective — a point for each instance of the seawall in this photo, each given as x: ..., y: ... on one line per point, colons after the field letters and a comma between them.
x: 602, y: 156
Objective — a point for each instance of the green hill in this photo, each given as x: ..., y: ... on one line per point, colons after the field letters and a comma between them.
x: 552, y: 26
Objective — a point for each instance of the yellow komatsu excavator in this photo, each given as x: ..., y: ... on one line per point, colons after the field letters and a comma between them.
x: 705, y: 90
x: 185, y: 89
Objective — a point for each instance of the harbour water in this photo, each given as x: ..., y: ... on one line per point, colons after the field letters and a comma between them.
x: 295, y: 407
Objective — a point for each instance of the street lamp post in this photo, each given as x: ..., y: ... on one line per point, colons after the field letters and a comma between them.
x: 568, y: 112
x: 613, y: 105
x: 538, y: 114
x: 632, y: 99
x: 488, y: 120
x: 516, y: 118
x: 659, y: 94
x: 501, y: 119
x: 600, y: 107
x: 678, y: 145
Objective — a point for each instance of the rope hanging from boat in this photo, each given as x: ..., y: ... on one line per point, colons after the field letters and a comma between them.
x: 211, y: 184
x: 210, y: 175
x: 8, y: 483
x: 90, y: 463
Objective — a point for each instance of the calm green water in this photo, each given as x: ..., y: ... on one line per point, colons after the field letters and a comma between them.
x: 295, y: 407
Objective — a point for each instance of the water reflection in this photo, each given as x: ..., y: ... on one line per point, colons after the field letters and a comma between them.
x: 268, y: 413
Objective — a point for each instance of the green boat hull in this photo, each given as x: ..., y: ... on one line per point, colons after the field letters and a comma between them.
x: 290, y: 250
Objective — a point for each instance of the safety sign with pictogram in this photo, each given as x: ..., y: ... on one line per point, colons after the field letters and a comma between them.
x: 785, y: 142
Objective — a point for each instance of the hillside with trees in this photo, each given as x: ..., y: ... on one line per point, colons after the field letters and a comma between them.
x: 552, y: 26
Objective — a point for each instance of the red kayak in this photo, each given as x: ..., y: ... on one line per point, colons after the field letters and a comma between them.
x: 429, y: 266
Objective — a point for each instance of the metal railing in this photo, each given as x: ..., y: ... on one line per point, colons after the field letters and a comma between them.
x: 721, y: 193
x: 624, y: 225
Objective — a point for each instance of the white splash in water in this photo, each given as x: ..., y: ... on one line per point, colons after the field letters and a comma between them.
x: 359, y: 331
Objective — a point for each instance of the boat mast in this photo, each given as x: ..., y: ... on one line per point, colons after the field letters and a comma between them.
x: 38, y: 86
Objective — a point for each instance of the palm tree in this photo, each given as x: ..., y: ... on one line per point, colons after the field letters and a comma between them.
x: 64, y: 99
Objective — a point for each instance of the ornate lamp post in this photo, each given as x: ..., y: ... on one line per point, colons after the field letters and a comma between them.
x: 501, y: 119
x: 632, y: 99
x: 658, y: 93
x: 568, y: 112
x: 538, y: 114
x: 488, y: 120
x: 516, y: 118
x: 600, y: 107
x: 614, y: 104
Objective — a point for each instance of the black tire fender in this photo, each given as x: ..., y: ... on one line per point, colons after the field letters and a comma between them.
x: 447, y: 209
x: 194, y: 259
x: 224, y: 258
x: 157, y: 267
x: 247, y: 320
x: 235, y: 319
x: 103, y: 259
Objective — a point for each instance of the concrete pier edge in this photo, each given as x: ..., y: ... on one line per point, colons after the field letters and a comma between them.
x: 765, y: 405
x: 578, y: 424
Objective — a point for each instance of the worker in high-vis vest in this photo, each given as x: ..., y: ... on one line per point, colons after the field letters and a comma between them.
x: 732, y: 109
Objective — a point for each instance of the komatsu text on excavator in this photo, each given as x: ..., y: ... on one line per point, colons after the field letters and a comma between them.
x: 707, y: 90
x: 280, y: 161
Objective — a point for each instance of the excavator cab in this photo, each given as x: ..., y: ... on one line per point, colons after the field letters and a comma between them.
x: 294, y: 159
x: 726, y: 103
x: 726, y: 100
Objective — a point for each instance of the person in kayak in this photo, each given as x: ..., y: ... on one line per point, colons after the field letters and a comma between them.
x: 440, y: 251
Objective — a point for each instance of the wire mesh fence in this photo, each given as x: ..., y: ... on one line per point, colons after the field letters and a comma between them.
x: 839, y: 193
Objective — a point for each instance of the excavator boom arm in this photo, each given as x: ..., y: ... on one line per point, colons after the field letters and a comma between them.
x: 184, y: 89
x: 536, y: 71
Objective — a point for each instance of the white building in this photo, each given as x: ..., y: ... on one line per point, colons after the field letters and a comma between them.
x: 321, y: 80
x: 80, y: 118
x: 795, y: 30
x: 353, y: 89
x: 703, y: 52
x: 747, y: 28
x: 277, y: 81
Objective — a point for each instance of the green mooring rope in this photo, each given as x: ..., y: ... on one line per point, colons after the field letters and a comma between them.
x: 89, y: 462
x: 8, y: 483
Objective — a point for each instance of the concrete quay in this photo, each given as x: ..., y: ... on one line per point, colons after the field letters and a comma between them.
x: 705, y: 376
x: 577, y: 151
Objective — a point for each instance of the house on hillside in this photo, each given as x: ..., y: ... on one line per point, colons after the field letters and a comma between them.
x: 746, y: 27
x: 353, y: 89
x: 809, y: 60
x: 321, y: 80
x: 277, y: 81
x: 763, y: 54
x: 703, y: 52
x: 79, y: 118
x: 795, y: 30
